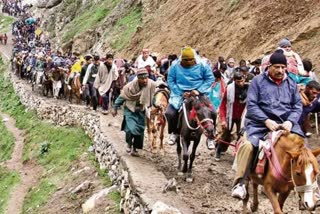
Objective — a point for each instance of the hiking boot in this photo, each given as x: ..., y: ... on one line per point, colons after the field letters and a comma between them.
x: 172, y: 139
x: 134, y: 152
x: 128, y: 149
x: 239, y: 191
x: 105, y: 112
x: 211, y: 144
x: 217, y: 156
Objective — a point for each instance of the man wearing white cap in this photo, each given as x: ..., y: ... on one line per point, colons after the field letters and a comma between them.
x: 230, y: 68
x: 145, y: 60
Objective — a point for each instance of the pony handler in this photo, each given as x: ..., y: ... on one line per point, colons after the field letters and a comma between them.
x: 137, y: 97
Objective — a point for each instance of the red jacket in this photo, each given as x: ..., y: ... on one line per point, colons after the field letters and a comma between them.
x: 237, y: 109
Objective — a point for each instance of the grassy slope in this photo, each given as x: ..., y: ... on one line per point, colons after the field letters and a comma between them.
x: 65, y: 145
x: 8, y: 179
x: 125, y: 28
x: 6, y: 142
x: 90, y: 17
x: 5, y: 23
x: 55, y: 148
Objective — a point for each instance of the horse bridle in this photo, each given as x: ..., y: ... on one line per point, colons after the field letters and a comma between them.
x: 303, y: 188
x: 197, y: 119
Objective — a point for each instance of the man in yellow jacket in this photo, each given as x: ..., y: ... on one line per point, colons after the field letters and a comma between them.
x: 75, y: 70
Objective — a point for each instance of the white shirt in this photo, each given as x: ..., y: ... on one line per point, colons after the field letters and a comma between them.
x: 140, y: 63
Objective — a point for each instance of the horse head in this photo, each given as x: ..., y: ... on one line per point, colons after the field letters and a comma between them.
x: 161, y: 98
x: 304, y: 171
x: 203, y: 112
x: 304, y: 167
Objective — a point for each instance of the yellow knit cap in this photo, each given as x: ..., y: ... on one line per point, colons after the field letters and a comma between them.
x: 187, y: 53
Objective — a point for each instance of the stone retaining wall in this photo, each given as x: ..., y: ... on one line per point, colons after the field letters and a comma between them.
x: 64, y: 114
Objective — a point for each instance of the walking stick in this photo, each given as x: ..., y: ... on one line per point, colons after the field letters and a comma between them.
x: 316, y: 119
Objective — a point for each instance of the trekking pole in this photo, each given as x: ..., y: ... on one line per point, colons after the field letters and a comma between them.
x: 316, y: 119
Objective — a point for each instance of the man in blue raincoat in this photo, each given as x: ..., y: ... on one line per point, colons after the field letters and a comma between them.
x: 186, y: 76
x: 273, y: 100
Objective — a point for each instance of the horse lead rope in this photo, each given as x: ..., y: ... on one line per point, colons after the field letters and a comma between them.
x: 186, y: 118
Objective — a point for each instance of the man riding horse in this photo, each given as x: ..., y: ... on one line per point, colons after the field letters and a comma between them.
x: 273, y: 101
x: 188, y: 76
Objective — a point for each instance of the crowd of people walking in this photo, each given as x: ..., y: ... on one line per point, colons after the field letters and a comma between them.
x: 277, y: 91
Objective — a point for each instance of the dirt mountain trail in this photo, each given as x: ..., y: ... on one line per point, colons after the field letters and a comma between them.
x: 29, y: 172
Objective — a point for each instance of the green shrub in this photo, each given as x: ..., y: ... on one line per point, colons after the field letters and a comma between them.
x: 5, y: 23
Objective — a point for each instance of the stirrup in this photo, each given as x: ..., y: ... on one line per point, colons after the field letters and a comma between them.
x: 237, y: 194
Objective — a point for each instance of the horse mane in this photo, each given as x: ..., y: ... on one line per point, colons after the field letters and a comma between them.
x: 303, y: 155
x: 199, y: 102
x: 297, y: 140
x: 205, y: 100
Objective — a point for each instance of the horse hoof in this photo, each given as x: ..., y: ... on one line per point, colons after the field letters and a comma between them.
x: 253, y: 208
x: 180, y: 173
x: 189, y: 180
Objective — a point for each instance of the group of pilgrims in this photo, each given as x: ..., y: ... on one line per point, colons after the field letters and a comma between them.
x: 108, y: 82
x: 15, y: 7
x: 103, y: 78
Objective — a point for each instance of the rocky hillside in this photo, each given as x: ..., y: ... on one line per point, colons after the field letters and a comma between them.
x: 238, y: 28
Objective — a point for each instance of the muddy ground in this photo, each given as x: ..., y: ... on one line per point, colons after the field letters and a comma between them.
x: 210, y: 191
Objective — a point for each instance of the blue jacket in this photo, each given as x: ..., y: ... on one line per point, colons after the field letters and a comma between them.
x: 182, y: 79
x: 267, y: 100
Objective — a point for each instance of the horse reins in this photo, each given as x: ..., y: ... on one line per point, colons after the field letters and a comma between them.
x: 227, y: 143
x: 197, y: 119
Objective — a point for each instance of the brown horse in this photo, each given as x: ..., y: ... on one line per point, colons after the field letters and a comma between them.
x: 19, y: 66
x: 75, y: 89
x: 157, y: 121
x: 299, y: 169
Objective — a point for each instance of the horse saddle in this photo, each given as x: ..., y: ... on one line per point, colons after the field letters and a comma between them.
x: 264, y: 152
